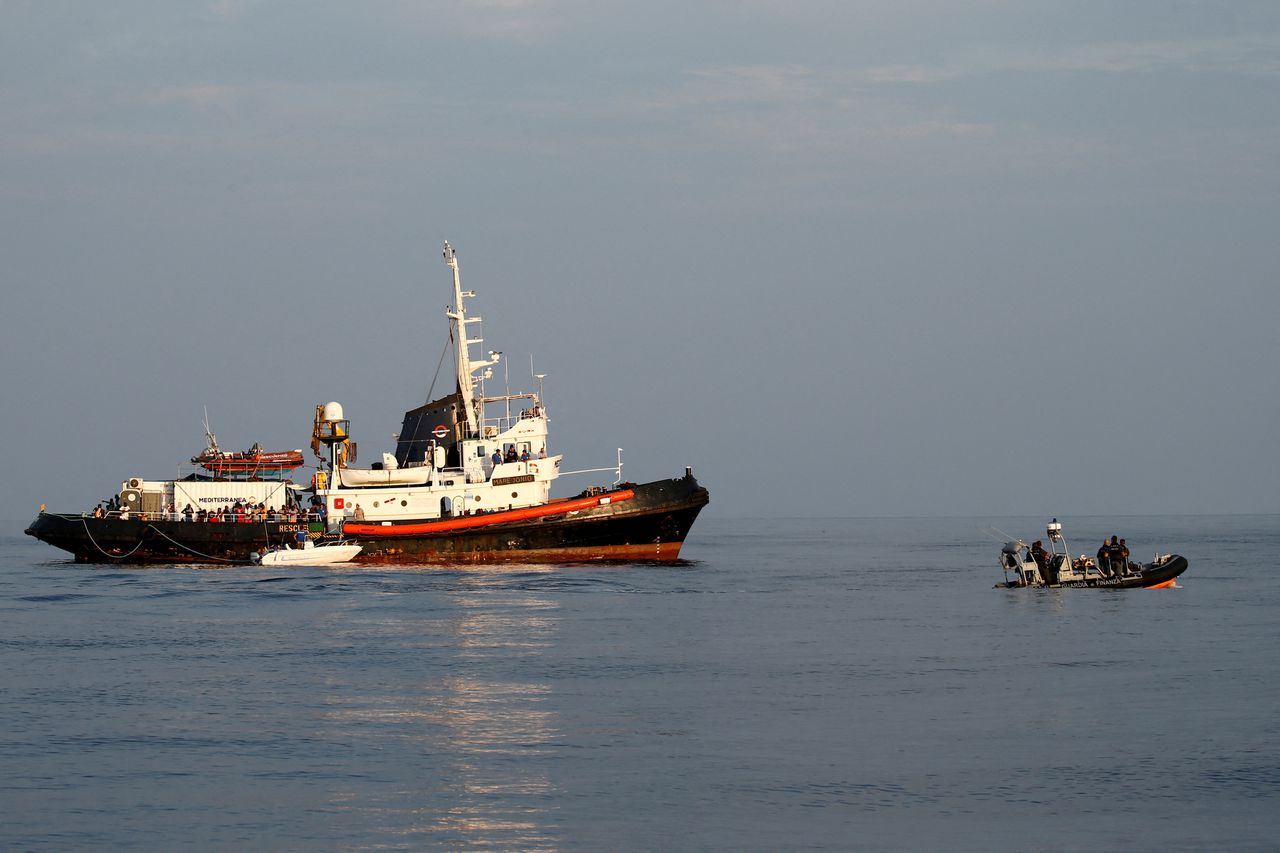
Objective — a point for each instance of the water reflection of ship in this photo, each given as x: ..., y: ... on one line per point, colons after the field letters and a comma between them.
x: 496, y: 726
x: 482, y: 732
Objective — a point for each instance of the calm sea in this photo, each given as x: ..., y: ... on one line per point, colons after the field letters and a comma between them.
x: 837, y: 684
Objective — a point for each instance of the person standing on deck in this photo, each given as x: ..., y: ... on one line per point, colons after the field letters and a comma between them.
x: 1041, y: 557
x: 1113, y: 556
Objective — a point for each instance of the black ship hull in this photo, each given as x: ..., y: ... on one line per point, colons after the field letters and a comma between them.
x: 650, y: 526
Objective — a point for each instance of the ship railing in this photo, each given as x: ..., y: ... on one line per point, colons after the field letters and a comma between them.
x: 502, y: 423
x: 216, y: 517
x: 278, y: 475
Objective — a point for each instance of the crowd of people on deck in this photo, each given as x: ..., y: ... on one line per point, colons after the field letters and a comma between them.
x: 239, y: 512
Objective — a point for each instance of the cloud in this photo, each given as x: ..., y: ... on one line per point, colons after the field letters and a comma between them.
x: 1249, y: 55
x: 762, y: 85
x: 804, y: 114
x: 231, y: 9
x: 201, y: 96
x: 502, y: 20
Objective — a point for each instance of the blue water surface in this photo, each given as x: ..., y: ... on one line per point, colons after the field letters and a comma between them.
x: 830, y: 684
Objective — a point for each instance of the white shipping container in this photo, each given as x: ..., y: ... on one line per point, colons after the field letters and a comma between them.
x: 220, y: 495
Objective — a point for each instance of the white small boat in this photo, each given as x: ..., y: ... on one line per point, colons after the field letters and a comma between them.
x: 388, y: 476
x: 308, y: 555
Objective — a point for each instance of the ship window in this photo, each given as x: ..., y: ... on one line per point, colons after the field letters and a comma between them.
x: 480, y: 452
x: 515, y: 494
x: 477, y: 499
x: 404, y: 503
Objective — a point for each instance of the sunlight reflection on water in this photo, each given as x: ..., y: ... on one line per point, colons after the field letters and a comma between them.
x: 488, y: 728
x: 835, y: 684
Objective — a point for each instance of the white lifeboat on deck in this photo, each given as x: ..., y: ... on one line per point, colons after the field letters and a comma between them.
x: 390, y: 474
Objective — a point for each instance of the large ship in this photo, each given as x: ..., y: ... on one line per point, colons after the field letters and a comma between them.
x: 469, y: 481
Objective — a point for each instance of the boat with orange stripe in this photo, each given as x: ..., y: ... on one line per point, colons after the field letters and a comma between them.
x: 472, y: 473
x: 646, y: 522
x: 1034, y: 566
x: 470, y: 480
x: 564, y: 506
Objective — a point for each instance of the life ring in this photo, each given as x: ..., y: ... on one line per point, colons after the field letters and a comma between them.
x: 440, y: 431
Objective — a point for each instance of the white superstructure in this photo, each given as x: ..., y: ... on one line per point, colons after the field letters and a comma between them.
x: 446, y: 468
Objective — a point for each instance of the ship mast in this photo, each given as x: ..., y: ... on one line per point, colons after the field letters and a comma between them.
x: 466, y: 367
x: 211, y: 440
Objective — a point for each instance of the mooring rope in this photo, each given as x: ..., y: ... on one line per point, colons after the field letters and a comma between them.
x: 141, y: 542
x: 191, y: 550
x: 105, y: 553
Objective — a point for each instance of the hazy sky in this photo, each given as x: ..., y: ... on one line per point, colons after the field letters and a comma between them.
x: 844, y: 258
